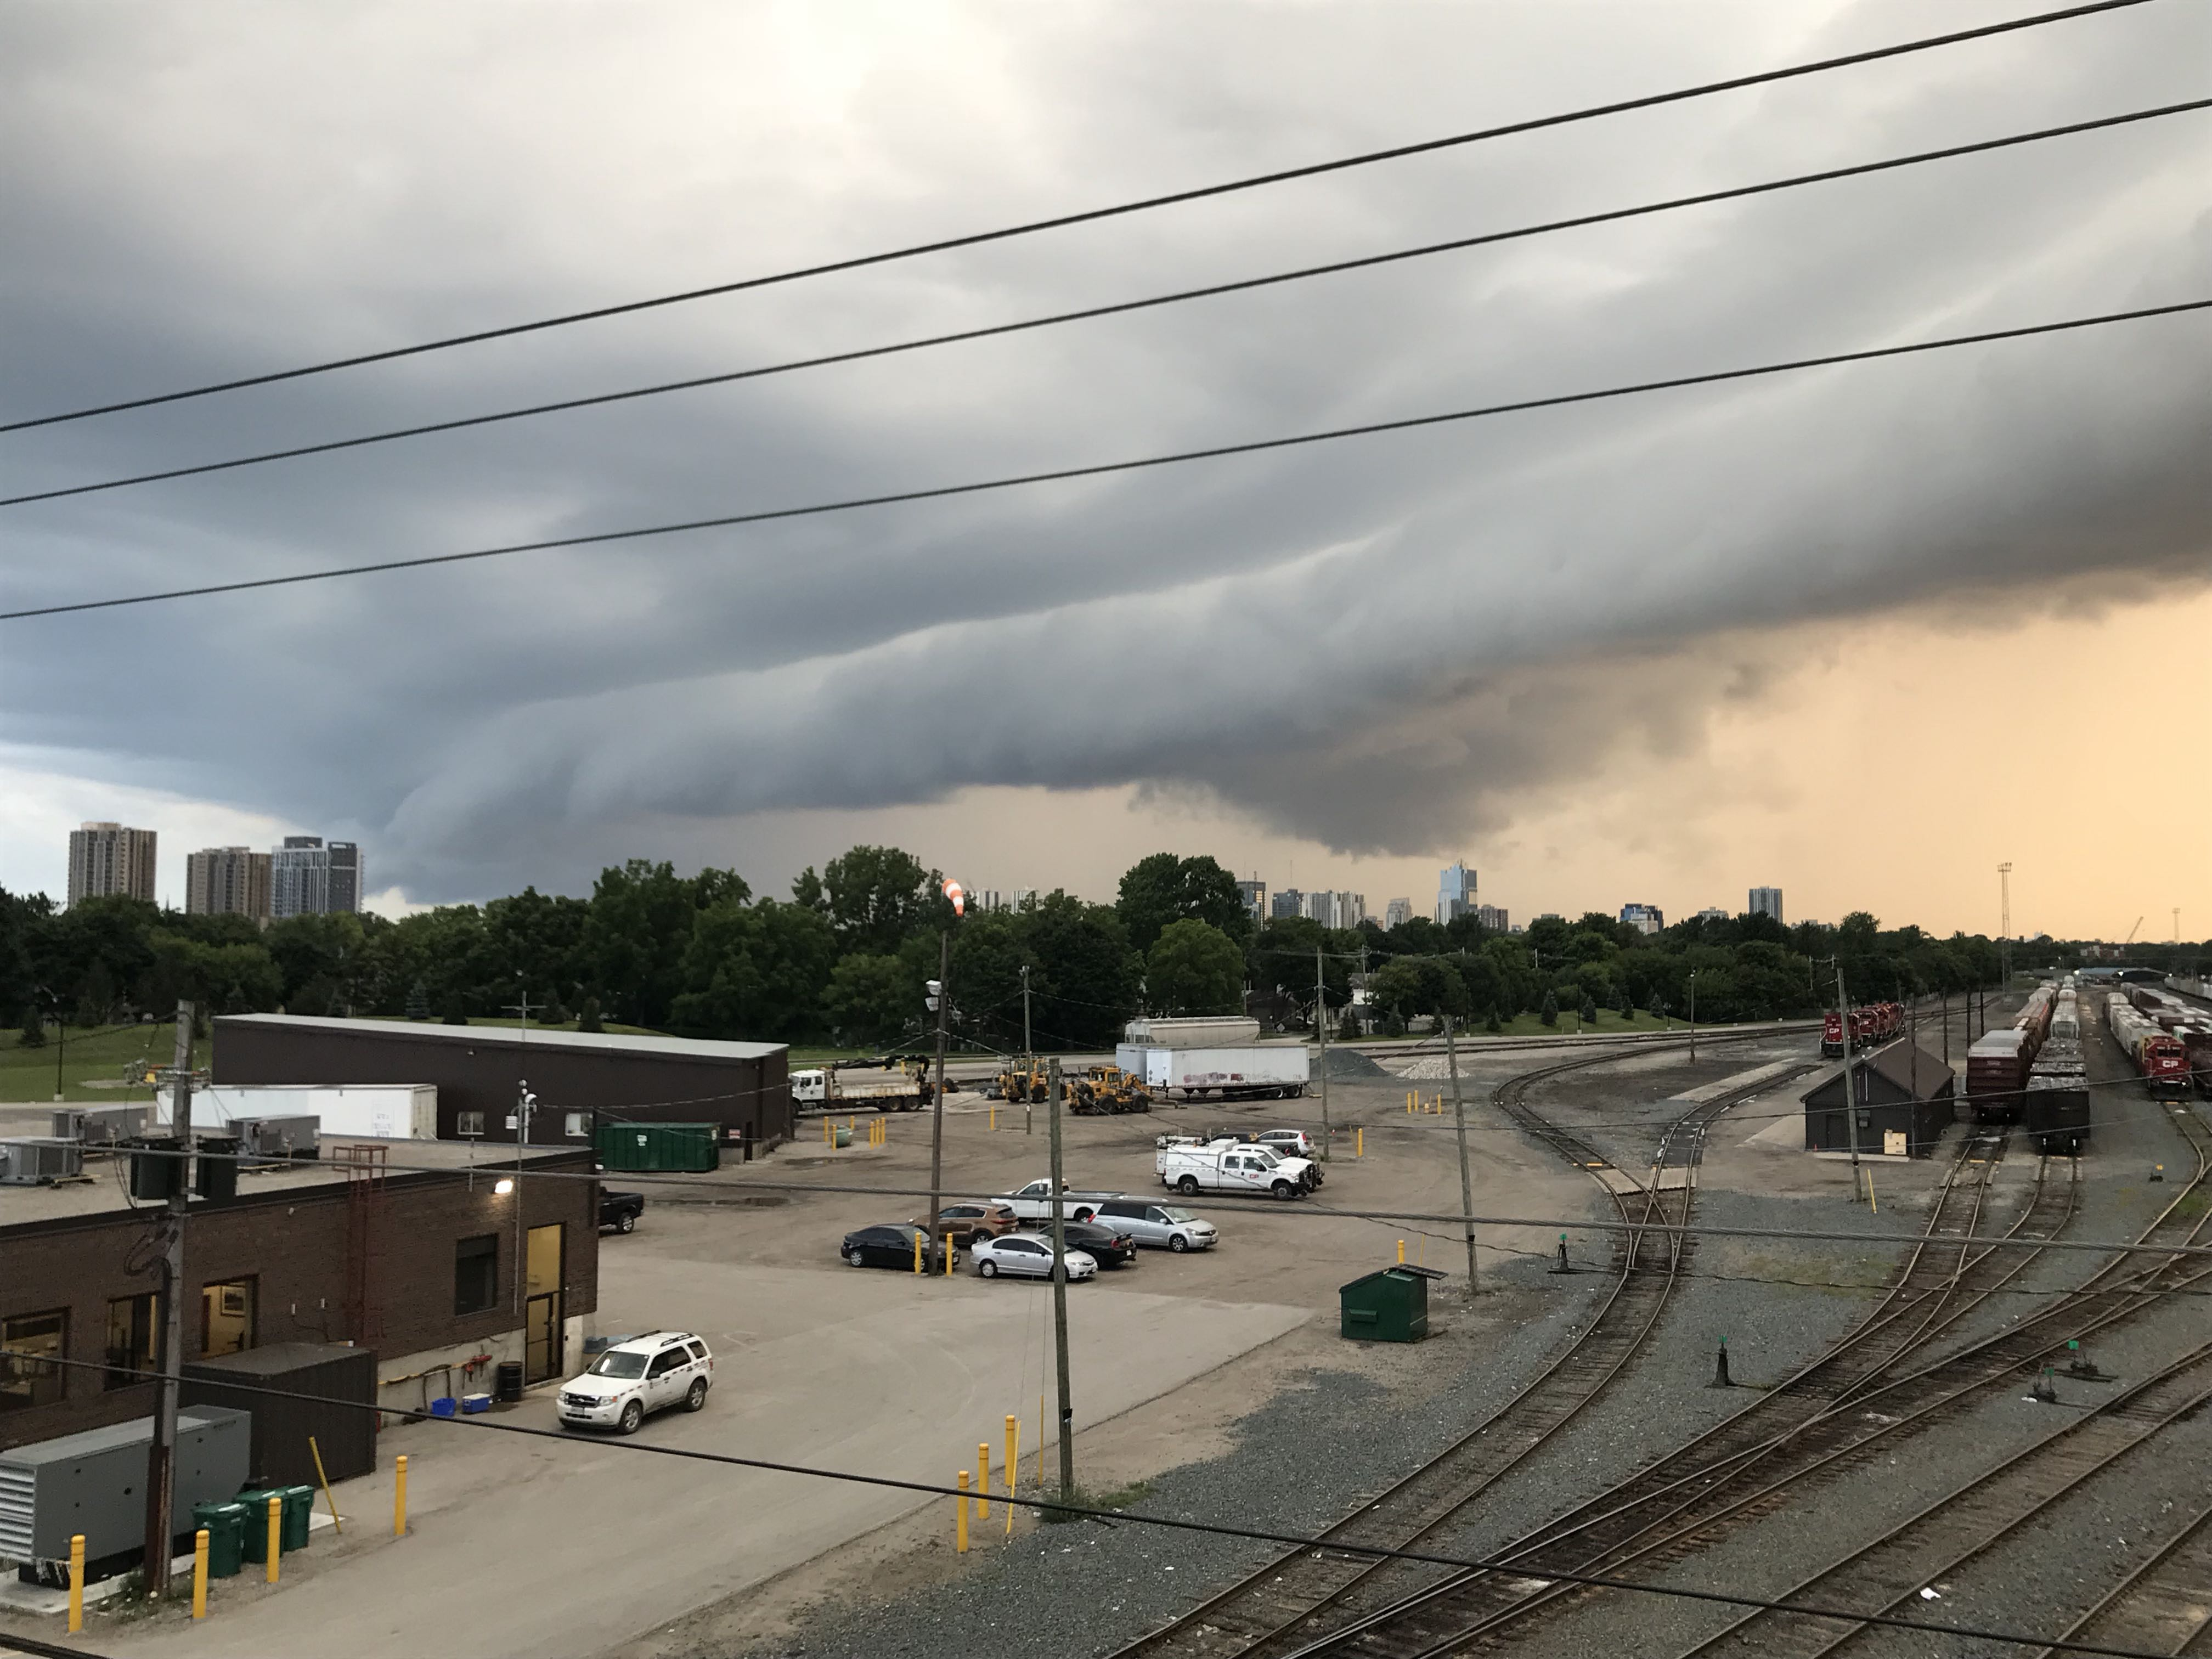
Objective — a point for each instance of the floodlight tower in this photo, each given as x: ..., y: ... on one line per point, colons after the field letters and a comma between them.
x: 2004, y: 920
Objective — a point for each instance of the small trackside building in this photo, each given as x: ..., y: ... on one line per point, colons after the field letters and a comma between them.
x: 744, y: 1088
x: 1903, y: 1098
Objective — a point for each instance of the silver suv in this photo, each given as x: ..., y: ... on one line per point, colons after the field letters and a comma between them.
x: 1159, y: 1226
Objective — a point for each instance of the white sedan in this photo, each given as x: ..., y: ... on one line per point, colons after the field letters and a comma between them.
x: 1021, y: 1252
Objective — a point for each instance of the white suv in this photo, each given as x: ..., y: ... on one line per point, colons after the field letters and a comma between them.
x: 638, y: 1376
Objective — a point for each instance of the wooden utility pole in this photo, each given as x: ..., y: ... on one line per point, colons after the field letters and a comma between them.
x: 1320, y: 1030
x: 1059, y: 1295
x: 1465, y: 1173
x: 1851, y: 1110
x: 162, y: 1452
x: 936, y: 1100
x: 1029, y: 1060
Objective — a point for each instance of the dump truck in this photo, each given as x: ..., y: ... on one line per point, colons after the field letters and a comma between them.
x: 865, y: 1086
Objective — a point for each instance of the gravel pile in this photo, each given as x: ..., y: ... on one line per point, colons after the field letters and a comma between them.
x: 1349, y: 1062
x: 1084, y: 1588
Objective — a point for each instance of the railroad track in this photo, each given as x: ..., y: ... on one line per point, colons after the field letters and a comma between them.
x: 2163, y: 1605
x: 1884, y: 1575
x: 1671, y: 1509
x: 1275, y: 1607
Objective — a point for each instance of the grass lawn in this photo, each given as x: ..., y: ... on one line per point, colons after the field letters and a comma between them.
x: 535, y: 1025
x: 99, y: 1056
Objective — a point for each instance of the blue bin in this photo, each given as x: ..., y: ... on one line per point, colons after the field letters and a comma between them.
x: 444, y: 1405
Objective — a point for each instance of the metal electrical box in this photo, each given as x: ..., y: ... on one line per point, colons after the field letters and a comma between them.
x: 95, y: 1483
x: 101, y: 1125
x: 268, y: 1140
x: 33, y: 1160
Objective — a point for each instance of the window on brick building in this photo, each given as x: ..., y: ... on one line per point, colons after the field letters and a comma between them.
x: 580, y: 1124
x: 24, y: 1380
x: 129, y: 1340
x: 475, y: 1274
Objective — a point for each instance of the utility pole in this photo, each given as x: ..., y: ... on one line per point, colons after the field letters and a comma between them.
x: 1466, y: 1176
x: 1946, y: 1028
x: 162, y: 1453
x: 1693, y: 1016
x: 1851, y: 1107
x: 1059, y: 1295
x: 940, y: 994
x: 2004, y: 920
x: 1029, y: 1060
x: 1320, y: 1030
x: 523, y: 1101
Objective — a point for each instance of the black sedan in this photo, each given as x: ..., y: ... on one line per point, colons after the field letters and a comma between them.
x: 1110, y: 1246
x: 891, y: 1246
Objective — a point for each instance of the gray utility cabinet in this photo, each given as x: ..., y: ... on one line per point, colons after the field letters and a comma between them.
x: 35, y: 1160
x: 95, y: 1483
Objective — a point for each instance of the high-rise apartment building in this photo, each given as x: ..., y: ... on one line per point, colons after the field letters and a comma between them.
x: 1336, y: 910
x: 1766, y: 902
x: 1454, y: 893
x: 1644, y: 917
x: 1712, y: 913
x: 107, y: 858
x: 308, y: 879
x: 1288, y: 901
x: 1491, y: 917
x: 1397, y: 913
x: 1254, y: 895
x: 223, y: 881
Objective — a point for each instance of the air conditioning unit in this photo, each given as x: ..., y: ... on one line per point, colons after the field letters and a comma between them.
x: 35, y: 1160
x: 266, y: 1140
x: 93, y: 1483
x: 101, y: 1125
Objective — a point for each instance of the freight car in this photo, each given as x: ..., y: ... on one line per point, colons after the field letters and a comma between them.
x: 2157, y: 1055
x: 2055, y: 1110
x: 2196, y: 1048
x: 1998, y: 1069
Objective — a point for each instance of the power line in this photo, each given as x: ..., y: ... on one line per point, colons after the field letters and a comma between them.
x: 1100, y: 469
x: 1092, y: 313
x: 1120, y: 1517
x: 1255, y: 182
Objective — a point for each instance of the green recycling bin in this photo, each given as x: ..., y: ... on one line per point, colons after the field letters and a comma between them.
x: 256, y: 1504
x: 225, y: 1523
x: 299, y: 1511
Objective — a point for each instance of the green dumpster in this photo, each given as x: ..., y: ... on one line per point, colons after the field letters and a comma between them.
x: 1391, y: 1305
x: 255, y: 1501
x: 646, y: 1148
x: 299, y: 1511
x: 225, y: 1529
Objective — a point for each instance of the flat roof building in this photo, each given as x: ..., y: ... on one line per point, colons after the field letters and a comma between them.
x: 108, y: 859
x: 1766, y: 902
x: 478, y: 1071
x: 227, y: 881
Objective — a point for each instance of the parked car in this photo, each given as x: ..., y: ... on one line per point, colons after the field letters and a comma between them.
x: 1285, y: 1143
x: 891, y: 1246
x: 1034, y: 1202
x: 1109, y: 1245
x: 620, y: 1211
x: 1158, y: 1226
x: 1027, y: 1254
x: 636, y: 1377
x: 965, y: 1222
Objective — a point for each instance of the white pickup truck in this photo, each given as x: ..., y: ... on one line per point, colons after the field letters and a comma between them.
x: 1034, y: 1202
x: 1218, y: 1168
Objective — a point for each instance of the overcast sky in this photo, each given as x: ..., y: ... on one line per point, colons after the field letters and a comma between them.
x: 1551, y: 631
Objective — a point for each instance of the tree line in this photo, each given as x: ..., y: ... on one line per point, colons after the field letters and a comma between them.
x: 845, y: 958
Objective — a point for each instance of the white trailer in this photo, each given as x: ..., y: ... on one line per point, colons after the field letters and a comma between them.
x: 371, y: 1111
x: 1275, y: 1070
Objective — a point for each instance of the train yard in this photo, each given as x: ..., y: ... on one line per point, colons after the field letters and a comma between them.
x: 1989, y: 1427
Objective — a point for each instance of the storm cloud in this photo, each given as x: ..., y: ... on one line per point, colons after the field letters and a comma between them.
x: 1377, y: 644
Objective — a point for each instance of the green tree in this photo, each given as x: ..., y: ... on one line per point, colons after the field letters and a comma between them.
x: 1491, y: 1024
x: 878, y: 896
x: 35, y: 1030
x: 1588, y: 1012
x: 587, y: 1017
x: 870, y: 1001
x: 1194, y: 967
x: 1089, y: 971
x: 755, y: 971
x: 419, y: 999
x: 1162, y: 889
x: 640, y: 926
x: 1549, y: 1013
x: 990, y: 950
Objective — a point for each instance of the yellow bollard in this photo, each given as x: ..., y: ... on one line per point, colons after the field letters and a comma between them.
x: 1401, y: 1252
x: 948, y: 1255
x: 316, y: 1452
x: 982, y: 1481
x: 76, y: 1584
x: 826, y: 1136
x: 1360, y: 1143
x: 276, y: 1534
x: 917, y: 1249
x: 400, y: 1496
x: 199, y: 1573
x: 960, y: 1522
x: 994, y: 1114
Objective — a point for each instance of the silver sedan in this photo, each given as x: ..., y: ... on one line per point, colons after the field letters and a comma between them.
x: 1021, y: 1252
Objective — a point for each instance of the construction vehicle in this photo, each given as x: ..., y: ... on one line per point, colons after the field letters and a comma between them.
x: 1022, y: 1082
x: 1107, y: 1089
x: 887, y: 1085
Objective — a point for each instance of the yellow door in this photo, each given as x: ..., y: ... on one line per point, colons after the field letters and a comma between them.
x: 542, y: 1320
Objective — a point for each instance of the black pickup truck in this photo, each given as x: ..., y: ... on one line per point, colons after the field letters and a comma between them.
x: 620, y: 1211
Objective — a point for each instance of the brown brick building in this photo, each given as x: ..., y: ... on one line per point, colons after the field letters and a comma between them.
x: 744, y: 1087
x: 419, y: 1267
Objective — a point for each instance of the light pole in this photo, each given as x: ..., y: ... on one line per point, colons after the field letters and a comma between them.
x: 1693, y: 1016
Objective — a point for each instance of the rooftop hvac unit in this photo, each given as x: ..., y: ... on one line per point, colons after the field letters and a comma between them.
x: 101, y: 1125
x: 35, y: 1160
x: 266, y: 1140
